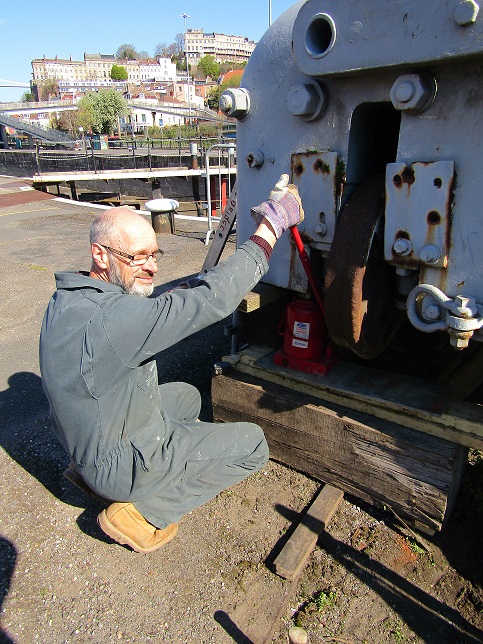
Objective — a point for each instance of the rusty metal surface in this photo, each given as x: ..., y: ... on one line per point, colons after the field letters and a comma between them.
x: 418, y: 209
x: 359, y: 285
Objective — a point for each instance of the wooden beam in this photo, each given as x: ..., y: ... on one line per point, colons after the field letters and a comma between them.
x: 261, y: 295
x: 421, y: 405
x: 290, y: 562
x: 415, y: 474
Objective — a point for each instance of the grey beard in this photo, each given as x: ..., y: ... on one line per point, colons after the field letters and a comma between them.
x: 131, y: 288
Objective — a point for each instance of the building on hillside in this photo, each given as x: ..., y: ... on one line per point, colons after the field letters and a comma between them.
x: 94, y: 72
x: 162, y: 112
x: 186, y: 93
x: 221, y: 46
x: 98, y: 66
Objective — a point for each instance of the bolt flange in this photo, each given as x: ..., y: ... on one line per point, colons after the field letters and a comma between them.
x: 413, y: 92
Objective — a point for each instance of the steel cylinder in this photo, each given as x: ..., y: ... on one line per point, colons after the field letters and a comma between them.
x: 304, y: 332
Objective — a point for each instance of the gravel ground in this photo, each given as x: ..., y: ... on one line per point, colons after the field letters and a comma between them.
x: 62, y: 580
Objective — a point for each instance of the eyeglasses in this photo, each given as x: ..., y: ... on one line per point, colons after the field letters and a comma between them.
x: 136, y: 260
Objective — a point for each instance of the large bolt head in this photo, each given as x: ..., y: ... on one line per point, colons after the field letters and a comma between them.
x: 413, y: 92
x: 429, y: 254
x: 235, y: 102
x: 466, y: 13
x: 307, y: 100
x: 402, y: 246
x: 302, y: 100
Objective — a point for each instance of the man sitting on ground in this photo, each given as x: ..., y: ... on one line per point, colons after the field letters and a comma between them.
x: 130, y: 440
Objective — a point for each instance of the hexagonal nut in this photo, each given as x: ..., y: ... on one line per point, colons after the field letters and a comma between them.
x: 402, y: 246
x: 458, y: 342
x: 413, y: 92
x: 466, y: 13
x: 235, y: 102
x: 307, y: 100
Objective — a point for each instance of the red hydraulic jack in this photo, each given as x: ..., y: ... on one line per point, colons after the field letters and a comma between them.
x: 305, y: 344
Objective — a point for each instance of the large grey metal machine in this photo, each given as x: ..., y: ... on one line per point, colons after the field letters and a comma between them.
x: 375, y: 110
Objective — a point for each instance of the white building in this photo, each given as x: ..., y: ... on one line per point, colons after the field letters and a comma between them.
x: 221, y: 46
x: 94, y: 72
x: 160, y: 71
x: 166, y: 111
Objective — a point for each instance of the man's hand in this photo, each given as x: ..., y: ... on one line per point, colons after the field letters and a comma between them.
x: 283, y: 208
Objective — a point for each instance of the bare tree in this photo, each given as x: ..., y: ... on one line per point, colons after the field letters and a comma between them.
x: 161, y: 50
x: 127, y: 52
x: 179, y: 43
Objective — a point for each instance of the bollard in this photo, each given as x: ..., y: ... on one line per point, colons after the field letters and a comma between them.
x: 162, y: 214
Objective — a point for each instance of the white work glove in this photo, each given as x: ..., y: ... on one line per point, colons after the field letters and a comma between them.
x: 283, y: 208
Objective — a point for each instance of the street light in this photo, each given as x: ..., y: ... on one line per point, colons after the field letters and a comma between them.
x: 185, y: 16
x: 269, y: 13
x: 81, y: 130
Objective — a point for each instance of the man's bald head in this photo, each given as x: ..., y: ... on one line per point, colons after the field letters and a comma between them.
x: 114, y: 224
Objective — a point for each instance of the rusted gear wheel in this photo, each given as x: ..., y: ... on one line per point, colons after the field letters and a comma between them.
x: 360, y: 286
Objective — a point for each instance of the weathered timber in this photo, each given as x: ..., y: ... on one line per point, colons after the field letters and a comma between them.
x: 415, y: 474
x: 291, y: 560
x: 261, y: 295
x: 262, y: 605
x: 267, y: 596
x: 416, y: 403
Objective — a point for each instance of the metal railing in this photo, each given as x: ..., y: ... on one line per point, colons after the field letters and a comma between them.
x: 35, y: 130
x: 218, y: 191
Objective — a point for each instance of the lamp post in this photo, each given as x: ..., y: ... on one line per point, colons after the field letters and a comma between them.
x: 81, y: 131
x: 269, y: 13
x: 185, y: 16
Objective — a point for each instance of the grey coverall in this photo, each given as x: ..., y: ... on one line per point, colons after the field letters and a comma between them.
x: 132, y: 439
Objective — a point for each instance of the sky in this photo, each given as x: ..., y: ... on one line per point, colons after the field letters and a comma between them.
x: 53, y: 28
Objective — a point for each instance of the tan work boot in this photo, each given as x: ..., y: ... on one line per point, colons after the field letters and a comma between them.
x: 123, y: 523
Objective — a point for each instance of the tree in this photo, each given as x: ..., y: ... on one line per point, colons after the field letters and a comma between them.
x: 179, y: 43
x: 27, y: 97
x: 228, y: 65
x: 66, y: 121
x: 161, y: 50
x: 118, y: 72
x: 48, y: 89
x: 173, y: 50
x: 126, y: 52
x: 213, y: 98
x: 143, y: 55
x: 99, y: 111
x: 209, y: 67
